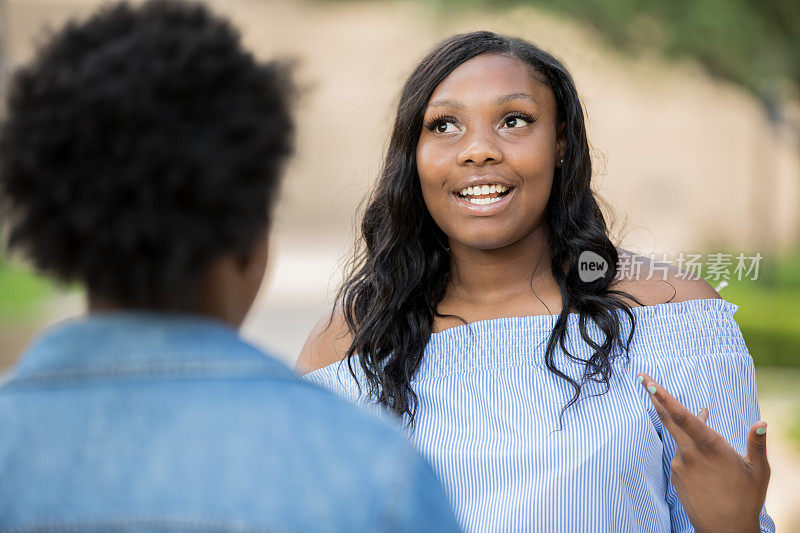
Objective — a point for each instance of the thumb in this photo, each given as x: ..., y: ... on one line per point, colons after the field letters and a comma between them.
x: 757, y: 446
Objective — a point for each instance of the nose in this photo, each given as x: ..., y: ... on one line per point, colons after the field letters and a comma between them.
x: 480, y: 149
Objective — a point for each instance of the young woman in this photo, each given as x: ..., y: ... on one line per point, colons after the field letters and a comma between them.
x: 469, y: 316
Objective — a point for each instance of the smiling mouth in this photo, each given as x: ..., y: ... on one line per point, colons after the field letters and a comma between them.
x: 484, y: 194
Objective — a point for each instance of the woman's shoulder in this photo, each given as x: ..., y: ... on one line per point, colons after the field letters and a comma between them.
x: 681, y: 315
x: 654, y: 283
x: 327, y: 343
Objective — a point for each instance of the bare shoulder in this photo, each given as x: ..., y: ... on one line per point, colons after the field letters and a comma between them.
x: 656, y: 283
x: 327, y: 343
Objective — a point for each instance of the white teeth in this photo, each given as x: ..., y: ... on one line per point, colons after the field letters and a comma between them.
x: 483, y: 201
x: 482, y: 189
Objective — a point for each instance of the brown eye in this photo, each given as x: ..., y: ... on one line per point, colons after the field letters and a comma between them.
x: 445, y: 126
x: 516, y: 122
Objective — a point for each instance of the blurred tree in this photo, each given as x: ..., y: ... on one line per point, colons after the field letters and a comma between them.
x: 755, y: 44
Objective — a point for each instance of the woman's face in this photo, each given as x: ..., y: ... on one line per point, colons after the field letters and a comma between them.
x: 487, y: 152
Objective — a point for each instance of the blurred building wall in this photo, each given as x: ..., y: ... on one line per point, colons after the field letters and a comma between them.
x: 687, y: 163
x: 690, y: 161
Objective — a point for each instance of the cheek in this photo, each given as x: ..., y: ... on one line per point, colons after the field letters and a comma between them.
x: 433, y: 166
x: 531, y: 159
x: 432, y: 161
x: 535, y: 166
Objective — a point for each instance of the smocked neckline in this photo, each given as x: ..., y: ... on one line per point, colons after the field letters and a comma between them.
x: 646, y: 312
x: 676, y: 320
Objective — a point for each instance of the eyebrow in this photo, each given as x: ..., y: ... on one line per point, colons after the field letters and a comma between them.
x: 446, y: 103
x: 500, y: 100
x: 514, y: 96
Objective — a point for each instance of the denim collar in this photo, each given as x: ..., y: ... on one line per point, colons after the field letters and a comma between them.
x: 130, y: 345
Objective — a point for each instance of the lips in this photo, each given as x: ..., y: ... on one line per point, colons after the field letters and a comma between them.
x: 483, y: 196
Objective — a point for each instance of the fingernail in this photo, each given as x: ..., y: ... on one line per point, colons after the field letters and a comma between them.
x: 652, y: 389
x: 761, y: 431
x: 639, y: 378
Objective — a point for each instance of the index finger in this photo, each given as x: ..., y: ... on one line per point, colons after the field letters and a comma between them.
x: 681, y: 421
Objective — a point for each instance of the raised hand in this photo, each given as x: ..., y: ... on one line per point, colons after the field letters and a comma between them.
x: 720, y: 489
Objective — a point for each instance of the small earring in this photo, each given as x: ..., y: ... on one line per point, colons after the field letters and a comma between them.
x: 562, y: 160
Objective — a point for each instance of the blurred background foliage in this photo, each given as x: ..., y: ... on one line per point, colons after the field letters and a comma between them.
x: 755, y: 44
x: 22, y: 292
x: 769, y: 311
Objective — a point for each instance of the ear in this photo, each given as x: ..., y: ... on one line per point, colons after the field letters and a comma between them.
x: 252, y: 263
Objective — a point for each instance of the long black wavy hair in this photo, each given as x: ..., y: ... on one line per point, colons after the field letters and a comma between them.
x: 399, y: 272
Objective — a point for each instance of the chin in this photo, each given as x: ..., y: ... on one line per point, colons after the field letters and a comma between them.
x: 484, y: 242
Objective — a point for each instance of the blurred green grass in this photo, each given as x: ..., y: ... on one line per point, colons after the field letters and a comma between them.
x: 21, y: 292
x: 769, y: 311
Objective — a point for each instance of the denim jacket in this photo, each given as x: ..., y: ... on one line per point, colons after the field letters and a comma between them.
x: 157, y: 422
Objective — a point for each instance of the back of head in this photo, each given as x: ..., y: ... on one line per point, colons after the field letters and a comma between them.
x: 139, y: 145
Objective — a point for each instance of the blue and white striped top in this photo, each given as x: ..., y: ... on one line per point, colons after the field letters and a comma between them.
x: 488, y: 414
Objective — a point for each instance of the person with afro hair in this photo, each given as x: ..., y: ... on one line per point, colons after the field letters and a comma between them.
x: 141, y: 153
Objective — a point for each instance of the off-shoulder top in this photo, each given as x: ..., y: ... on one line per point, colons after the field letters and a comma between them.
x: 488, y: 417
